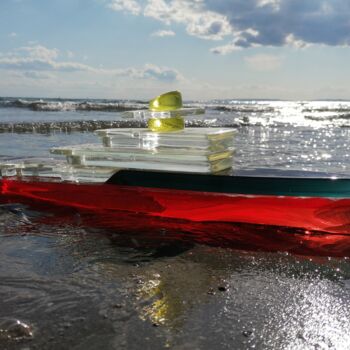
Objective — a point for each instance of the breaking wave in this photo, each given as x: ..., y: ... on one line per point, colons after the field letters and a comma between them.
x: 89, y: 125
x: 220, y: 113
x: 331, y: 117
x: 232, y: 106
x: 71, y: 105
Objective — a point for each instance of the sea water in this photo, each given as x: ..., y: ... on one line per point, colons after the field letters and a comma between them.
x: 64, y: 285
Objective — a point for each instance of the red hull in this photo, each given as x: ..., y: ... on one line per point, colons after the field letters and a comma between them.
x: 313, y: 224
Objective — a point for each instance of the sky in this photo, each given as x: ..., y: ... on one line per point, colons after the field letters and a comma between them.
x: 207, y: 49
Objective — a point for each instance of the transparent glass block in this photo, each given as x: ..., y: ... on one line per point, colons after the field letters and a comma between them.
x: 202, y: 150
x: 171, y: 154
x: 55, y: 169
x: 34, y: 167
x: 146, y: 114
x: 189, y: 138
x: 179, y: 166
x: 7, y: 170
x: 90, y: 174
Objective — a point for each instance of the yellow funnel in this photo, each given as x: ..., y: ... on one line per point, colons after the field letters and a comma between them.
x: 169, y: 101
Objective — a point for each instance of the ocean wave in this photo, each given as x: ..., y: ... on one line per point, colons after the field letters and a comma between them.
x: 222, y: 106
x: 343, y: 109
x: 328, y: 117
x: 241, y: 109
x: 56, y: 105
x: 220, y: 113
x: 65, y: 126
x: 218, y: 121
x: 65, y: 105
x: 92, y: 125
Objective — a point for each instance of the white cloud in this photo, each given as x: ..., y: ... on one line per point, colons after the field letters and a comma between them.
x: 292, y: 41
x: 163, y: 33
x: 225, y: 49
x: 274, y: 4
x: 151, y: 71
x: 198, y: 21
x: 323, y: 22
x: 13, y: 35
x: 192, y: 13
x: 37, y: 75
x: 237, y: 43
x: 37, y: 61
x: 296, y: 23
x: 39, y: 64
x: 263, y: 62
x: 39, y: 52
x: 39, y: 58
x: 130, y: 6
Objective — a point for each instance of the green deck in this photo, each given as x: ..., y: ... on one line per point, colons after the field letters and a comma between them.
x: 247, y: 185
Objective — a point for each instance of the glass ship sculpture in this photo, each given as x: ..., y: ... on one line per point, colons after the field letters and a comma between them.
x: 163, y: 179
